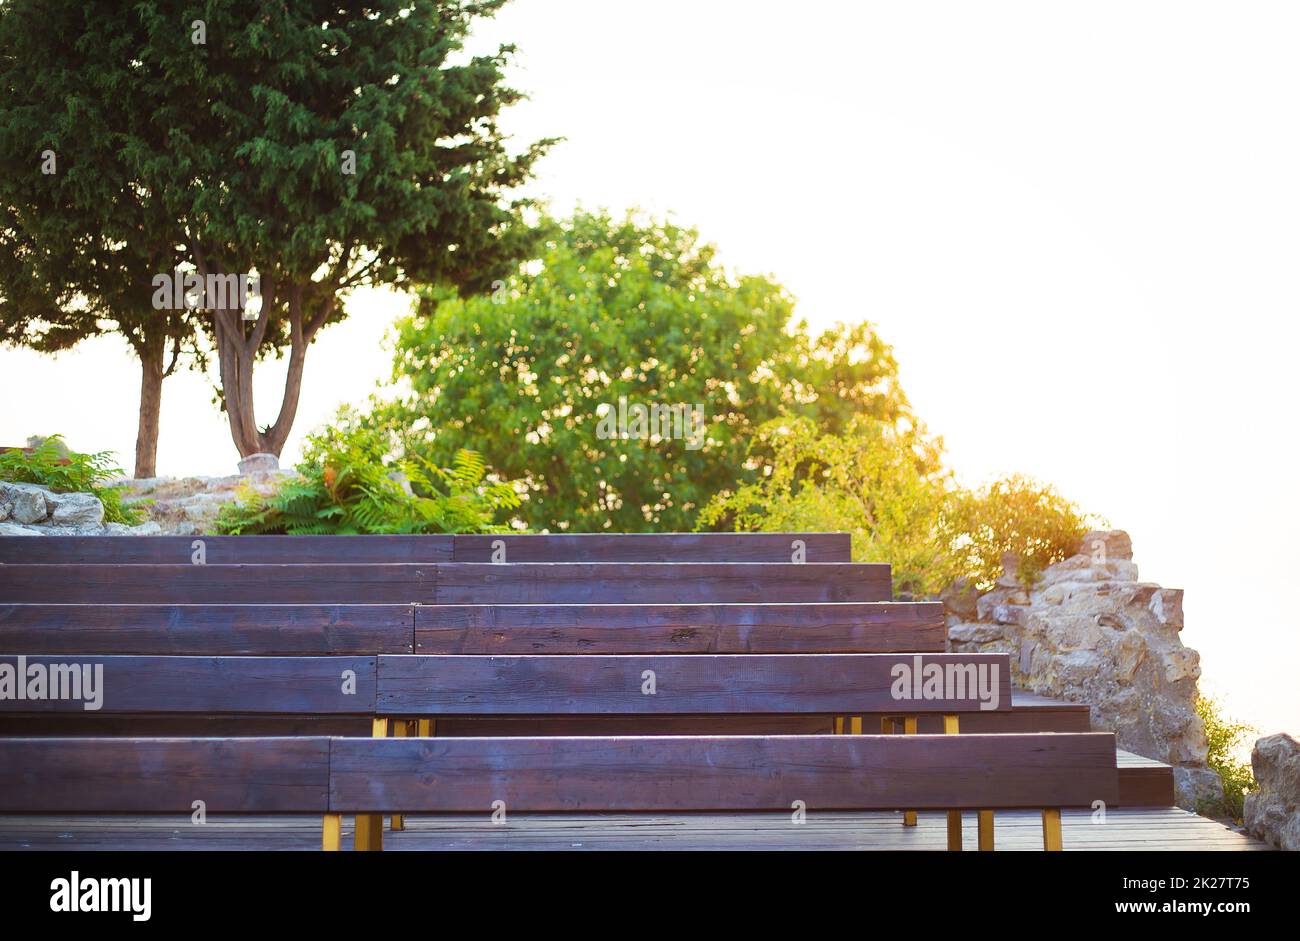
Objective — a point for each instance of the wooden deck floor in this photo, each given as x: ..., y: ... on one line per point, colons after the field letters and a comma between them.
x: 1132, y: 829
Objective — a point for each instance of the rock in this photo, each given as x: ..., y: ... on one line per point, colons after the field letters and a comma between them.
x: 1103, y: 545
x: 14, y: 529
x: 1197, y: 787
x: 973, y: 633
x: 29, y: 505
x: 1273, y: 811
x: 1167, y: 607
x: 5, y: 510
x: 76, y: 509
x: 999, y: 597
x: 262, y: 463
x: 1090, y: 632
x: 149, y: 528
x: 960, y: 599
x: 1010, y: 567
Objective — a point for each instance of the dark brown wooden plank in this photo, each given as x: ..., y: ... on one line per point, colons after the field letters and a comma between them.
x: 127, y: 684
x: 217, y: 584
x: 223, y: 550
x: 696, y: 683
x: 872, y: 627
x: 182, y: 725
x: 1144, y: 782
x: 660, y: 583
x: 77, y: 775
x: 217, y: 629
x: 654, y: 547
x: 565, y: 547
x: 722, y: 773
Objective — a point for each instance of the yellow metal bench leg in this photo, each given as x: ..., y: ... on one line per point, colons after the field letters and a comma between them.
x: 331, y: 829
x: 909, y: 728
x: 1052, y: 830
x: 951, y: 727
x: 400, y: 728
x: 369, y: 835
x: 855, y: 725
x: 985, y: 818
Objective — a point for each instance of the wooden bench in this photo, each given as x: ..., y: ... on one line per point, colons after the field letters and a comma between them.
x: 535, y: 645
x: 337, y: 776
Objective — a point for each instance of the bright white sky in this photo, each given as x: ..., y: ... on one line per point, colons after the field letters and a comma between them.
x: 1077, y: 225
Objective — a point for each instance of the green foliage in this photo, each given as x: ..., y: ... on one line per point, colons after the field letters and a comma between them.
x: 51, y: 464
x: 884, y: 483
x: 348, y: 483
x: 233, y: 155
x: 877, y: 481
x: 1014, y: 515
x: 1224, y: 735
x: 623, y: 307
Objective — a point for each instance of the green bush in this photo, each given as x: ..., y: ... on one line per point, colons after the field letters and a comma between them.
x: 349, y: 483
x: 1224, y: 735
x: 618, y: 308
x: 1014, y: 515
x: 884, y: 483
x: 877, y: 481
x: 51, y: 464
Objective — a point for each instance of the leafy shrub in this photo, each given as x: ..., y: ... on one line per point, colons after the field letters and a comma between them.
x: 615, y: 308
x: 51, y: 464
x: 348, y: 483
x: 884, y: 483
x: 1016, y: 515
x: 1224, y: 735
x: 877, y: 481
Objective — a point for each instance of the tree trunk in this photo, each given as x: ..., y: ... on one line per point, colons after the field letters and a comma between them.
x: 151, y: 380
x: 237, y: 354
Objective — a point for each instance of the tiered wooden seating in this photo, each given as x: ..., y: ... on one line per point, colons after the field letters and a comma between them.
x: 446, y: 641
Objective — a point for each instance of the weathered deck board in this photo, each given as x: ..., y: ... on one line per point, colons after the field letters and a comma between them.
x: 1125, y: 830
x: 216, y: 629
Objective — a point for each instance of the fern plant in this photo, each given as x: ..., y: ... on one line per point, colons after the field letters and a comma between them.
x: 52, y: 465
x: 347, y: 484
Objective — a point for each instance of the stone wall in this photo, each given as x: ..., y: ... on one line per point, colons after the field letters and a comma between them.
x: 32, y: 510
x: 1088, y: 631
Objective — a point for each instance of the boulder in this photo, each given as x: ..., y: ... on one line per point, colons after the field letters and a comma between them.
x: 1106, y: 544
x: 1273, y: 811
x: 76, y: 509
x: 28, y: 502
x: 262, y: 463
x: 15, y: 529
